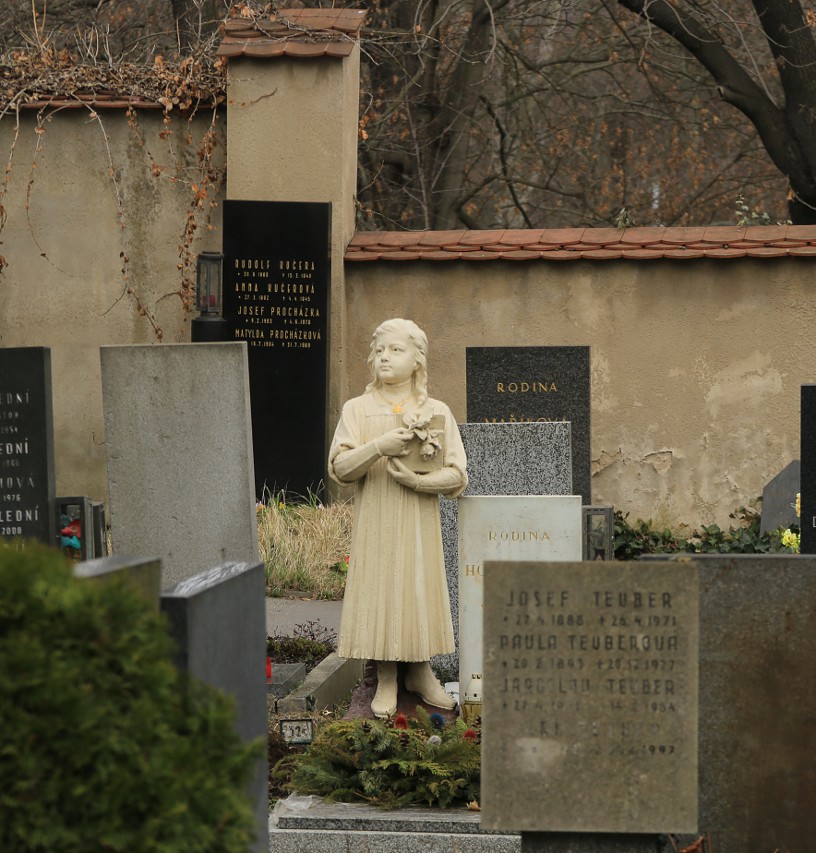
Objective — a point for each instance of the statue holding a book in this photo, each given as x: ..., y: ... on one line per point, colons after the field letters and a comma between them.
x: 401, y: 449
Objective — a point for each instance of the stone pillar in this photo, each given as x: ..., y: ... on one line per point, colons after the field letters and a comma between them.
x: 292, y: 123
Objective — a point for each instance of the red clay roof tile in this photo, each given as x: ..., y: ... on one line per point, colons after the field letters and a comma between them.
x: 594, y: 244
x: 441, y: 238
x: 521, y: 255
x: 724, y: 252
x: 719, y: 234
x: 603, y: 254
x: 519, y: 236
x: 683, y: 236
x: 601, y: 236
x: 642, y: 236
x: 473, y: 238
x: 441, y: 256
x: 682, y: 254
x: 297, y: 33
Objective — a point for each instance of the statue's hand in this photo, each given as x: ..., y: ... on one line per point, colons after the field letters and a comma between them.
x: 394, y: 443
x: 402, y: 474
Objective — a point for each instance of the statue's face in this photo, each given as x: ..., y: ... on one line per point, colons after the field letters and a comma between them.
x: 395, y: 358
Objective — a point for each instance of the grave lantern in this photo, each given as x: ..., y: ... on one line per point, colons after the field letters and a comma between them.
x: 210, y: 326
x: 599, y: 531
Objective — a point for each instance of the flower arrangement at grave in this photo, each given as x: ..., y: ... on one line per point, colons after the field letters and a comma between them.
x: 791, y: 538
x: 392, y: 764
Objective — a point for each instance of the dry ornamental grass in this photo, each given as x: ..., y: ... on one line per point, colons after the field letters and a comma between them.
x: 305, y: 546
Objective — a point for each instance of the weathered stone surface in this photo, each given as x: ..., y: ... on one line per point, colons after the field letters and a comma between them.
x: 590, y: 697
x: 533, y: 528
x: 757, y: 695
x: 504, y: 459
x: 179, y: 451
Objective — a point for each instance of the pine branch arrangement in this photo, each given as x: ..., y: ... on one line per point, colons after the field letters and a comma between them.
x: 392, y: 764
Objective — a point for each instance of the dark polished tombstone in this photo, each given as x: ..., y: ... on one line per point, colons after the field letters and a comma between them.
x: 779, y: 499
x: 807, y: 476
x: 523, y: 384
x: 26, y: 445
x: 277, y: 278
x: 143, y: 573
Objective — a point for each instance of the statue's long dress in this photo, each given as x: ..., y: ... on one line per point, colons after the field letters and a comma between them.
x: 396, y: 605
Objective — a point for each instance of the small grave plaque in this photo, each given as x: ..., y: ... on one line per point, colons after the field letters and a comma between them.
x: 297, y: 731
x: 277, y: 278
x: 26, y: 445
x: 590, y: 698
x: 538, y: 384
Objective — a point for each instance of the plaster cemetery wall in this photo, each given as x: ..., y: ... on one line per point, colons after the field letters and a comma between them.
x: 109, y: 199
x: 695, y: 365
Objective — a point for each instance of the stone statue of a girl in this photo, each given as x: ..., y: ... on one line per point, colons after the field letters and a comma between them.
x: 396, y: 605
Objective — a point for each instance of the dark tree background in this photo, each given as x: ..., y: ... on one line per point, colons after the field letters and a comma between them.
x: 520, y: 113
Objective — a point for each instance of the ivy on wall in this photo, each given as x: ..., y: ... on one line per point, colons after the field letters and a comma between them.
x: 49, y: 81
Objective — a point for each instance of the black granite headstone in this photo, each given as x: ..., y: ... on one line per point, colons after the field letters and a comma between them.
x: 277, y: 278
x: 524, y: 384
x: 807, y: 484
x: 26, y: 445
x: 779, y: 499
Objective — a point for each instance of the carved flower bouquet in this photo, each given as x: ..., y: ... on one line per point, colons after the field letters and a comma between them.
x: 425, y: 448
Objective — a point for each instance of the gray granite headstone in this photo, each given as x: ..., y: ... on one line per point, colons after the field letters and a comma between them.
x: 218, y: 620
x: 539, y: 384
x: 590, y: 697
x: 503, y: 459
x: 179, y: 451
x: 779, y: 499
x: 27, y: 475
x: 757, y: 701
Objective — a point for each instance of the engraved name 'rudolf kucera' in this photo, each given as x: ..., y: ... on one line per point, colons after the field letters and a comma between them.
x: 534, y: 387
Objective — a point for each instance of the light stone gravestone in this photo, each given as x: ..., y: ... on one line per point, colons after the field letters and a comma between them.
x: 590, y: 698
x: 179, y: 451
x: 503, y: 459
x: 529, y: 528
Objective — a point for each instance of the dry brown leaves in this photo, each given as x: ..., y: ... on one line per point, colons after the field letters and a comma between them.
x: 45, y: 74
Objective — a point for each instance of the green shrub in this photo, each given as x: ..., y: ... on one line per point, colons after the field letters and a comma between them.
x: 104, y: 745
x: 633, y: 541
x: 390, y: 764
x: 309, y: 644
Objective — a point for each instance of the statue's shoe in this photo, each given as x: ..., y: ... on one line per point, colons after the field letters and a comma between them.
x: 420, y: 680
x: 384, y: 703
